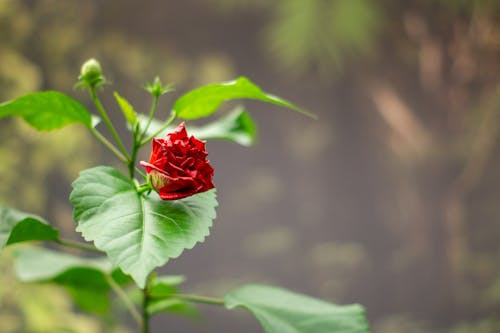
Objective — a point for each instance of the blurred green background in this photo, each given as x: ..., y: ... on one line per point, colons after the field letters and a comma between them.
x: 389, y: 200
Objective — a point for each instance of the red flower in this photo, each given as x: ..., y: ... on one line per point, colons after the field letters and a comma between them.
x: 178, y: 165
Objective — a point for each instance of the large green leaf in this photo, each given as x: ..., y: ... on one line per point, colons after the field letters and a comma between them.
x: 204, y: 101
x: 238, y: 127
x: 47, y: 110
x: 85, y: 279
x: 282, y: 311
x: 16, y: 226
x: 138, y: 232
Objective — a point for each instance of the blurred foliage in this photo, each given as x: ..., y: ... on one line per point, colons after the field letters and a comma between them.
x: 40, y: 308
x: 322, y: 34
x: 398, y: 323
x: 42, y: 49
x: 44, y: 163
x: 431, y: 70
x: 333, y: 273
x: 483, y: 326
x: 57, y: 154
x: 317, y: 34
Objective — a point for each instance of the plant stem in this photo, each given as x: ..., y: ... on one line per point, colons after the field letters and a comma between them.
x: 108, y: 145
x: 145, y: 314
x: 161, y: 129
x: 131, y: 162
x: 77, y: 245
x: 150, y: 118
x: 143, y: 188
x: 139, y: 171
x: 193, y: 298
x: 106, y: 119
x: 123, y: 296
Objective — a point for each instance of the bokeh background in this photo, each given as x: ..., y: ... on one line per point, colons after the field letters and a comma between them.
x: 390, y: 200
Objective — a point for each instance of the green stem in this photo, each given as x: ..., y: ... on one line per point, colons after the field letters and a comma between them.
x: 161, y: 129
x: 126, y: 300
x: 193, y: 298
x: 145, y: 314
x: 143, y: 188
x: 106, y: 119
x: 77, y: 245
x: 151, y: 116
x: 108, y: 144
x: 131, y: 162
x: 139, y: 171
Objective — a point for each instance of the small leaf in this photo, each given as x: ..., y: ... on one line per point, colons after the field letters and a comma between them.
x: 238, y: 127
x: 172, y: 305
x: 47, y: 110
x: 127, y: 109
x: 138, y: 232
x: 204, y: 101
x: 85, y: 279
x: 16, y: 227
x: 279, y: 310
x: 161, y: 289
x: 165, y: 285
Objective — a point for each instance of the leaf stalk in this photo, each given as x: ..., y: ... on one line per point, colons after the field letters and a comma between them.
x: 154, y: 106
x: 79, y: 246
x: 161, y: 129
x: 126, y: 300
x: 107, y: 121
x: 193, y: 298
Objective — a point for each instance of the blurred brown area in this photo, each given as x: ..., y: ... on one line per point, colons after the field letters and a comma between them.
x: 389, y: 200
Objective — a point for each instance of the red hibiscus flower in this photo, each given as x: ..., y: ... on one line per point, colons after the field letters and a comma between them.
x: 178, y: 165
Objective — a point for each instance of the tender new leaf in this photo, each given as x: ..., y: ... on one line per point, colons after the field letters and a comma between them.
x: 127, y: 109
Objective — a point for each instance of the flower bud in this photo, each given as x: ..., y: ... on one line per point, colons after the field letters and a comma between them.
x: 157, y: 89
x: 91, y: 73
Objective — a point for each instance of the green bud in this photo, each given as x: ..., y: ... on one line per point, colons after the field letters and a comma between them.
x: 91, y: 73
x: 157, y: 89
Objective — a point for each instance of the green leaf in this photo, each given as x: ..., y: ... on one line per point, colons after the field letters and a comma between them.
x: 16, y: 227
x: 127, y: 109
x: 92, y: 300
x: 172, y: 305
x: 279, y: 310
x: 85, y: 279
x: 238, y: 127
x: 165, y: 285
x: 35, y: 264
x: 204, y: 101
x: 160, y: 292
x: 47, y: 110
x: 138, y: 232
